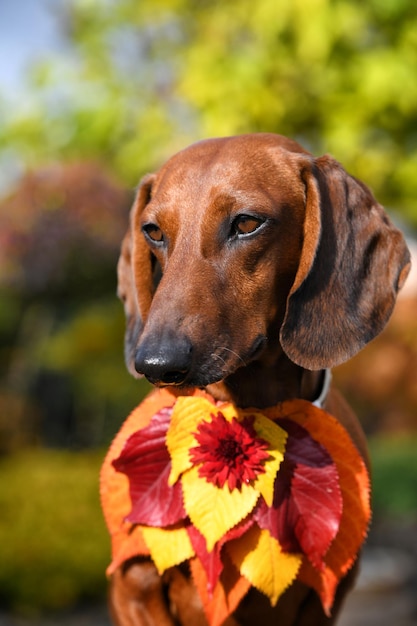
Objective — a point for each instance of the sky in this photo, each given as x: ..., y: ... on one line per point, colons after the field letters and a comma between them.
x: 29, y: 31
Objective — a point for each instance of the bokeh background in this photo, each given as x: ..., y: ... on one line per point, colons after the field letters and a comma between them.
x: 94, y: 94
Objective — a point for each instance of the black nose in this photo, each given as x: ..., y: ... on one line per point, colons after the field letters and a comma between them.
x: 164, y: 363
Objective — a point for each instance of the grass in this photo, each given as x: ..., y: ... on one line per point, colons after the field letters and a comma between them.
x: 54, y: 545
x: 394, y: 475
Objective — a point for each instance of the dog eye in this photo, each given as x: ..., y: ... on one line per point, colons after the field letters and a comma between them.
x: 153, y: 232
x: 245, y: 225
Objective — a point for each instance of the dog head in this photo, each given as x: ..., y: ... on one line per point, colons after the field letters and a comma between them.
x: 245, y: 247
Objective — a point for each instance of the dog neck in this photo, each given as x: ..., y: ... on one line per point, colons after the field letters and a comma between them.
x: 261, y: 386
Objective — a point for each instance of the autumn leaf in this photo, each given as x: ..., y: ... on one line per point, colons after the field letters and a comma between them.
x: 214, y: 510
x: 307, y: 506
x: 114, y: 486
x: 305, y: 497
x: 212, y: 561
x: 168, y: 547
x: 223, y: 461
x: 277, y: 438
x: 188, y: 413
x: 260, y: 559
x: 228, y: 592
x: 146, y: 462
x: 355, y: 488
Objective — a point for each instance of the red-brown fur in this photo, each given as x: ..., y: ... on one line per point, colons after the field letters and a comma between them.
x: 253, y: 318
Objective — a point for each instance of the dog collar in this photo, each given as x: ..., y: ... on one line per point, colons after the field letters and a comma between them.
x: 327, y: 381
x: 230, y: 491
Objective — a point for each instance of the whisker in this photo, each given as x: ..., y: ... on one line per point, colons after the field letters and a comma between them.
x: 235, y: 353
x: 224, y: 349
x: 217, y: 356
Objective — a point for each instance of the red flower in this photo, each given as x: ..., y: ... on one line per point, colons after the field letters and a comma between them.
x: 229, y: 451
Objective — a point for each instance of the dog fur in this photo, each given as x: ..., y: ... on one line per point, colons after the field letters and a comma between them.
x: 249, y: 267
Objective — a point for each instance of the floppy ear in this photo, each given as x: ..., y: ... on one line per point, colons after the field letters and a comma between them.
x: 143, y: 261
x: 352, y: 265
x: 137, y: 273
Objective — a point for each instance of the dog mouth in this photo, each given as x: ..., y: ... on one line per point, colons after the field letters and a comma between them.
x: 170, y: 379
x: 222, y: 363
x: 176, y: 362
x: 187, y: 380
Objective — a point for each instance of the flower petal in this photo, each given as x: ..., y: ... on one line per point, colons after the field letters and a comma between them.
x: 229, y: 451
x: 168, y: 547
x: 214, y: 510
x: 259, y: 558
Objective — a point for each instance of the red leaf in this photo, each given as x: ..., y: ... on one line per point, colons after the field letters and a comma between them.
x: 146, y: 462
x: 307, y: 508
x: 211, y: 561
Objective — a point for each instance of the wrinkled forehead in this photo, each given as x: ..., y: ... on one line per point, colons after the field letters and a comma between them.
x: 238, y: 168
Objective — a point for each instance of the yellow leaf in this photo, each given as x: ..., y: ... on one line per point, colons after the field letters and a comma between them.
x: 187, y: 414
x: 168, y: 547
x: 259, y: 558
x: 277, y: 438
x: 214, y: 510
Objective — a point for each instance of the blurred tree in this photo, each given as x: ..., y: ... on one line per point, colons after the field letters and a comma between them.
x: 147, y: 78
x: 60, y: 227
x: 63, y: 379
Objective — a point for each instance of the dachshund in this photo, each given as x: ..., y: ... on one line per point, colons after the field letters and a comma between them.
x: 250, y: 268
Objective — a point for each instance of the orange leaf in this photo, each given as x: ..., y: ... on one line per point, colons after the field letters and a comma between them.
x: 355, y: 489
x: 126, y: 545
x: 227, y: 593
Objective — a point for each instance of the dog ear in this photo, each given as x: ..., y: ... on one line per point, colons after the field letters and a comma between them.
x: 143, y: 261
x: 352, y: 265
x: 137, y: 273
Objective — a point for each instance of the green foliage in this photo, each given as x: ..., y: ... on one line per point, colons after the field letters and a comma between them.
x: 394, y: 463
x: 144, y: 79
x: 55, y: 547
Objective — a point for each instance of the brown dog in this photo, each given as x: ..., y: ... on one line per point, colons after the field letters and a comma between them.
x: 249, y: 268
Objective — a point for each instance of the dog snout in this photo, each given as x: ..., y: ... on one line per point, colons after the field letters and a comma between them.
x: 167, y: 363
